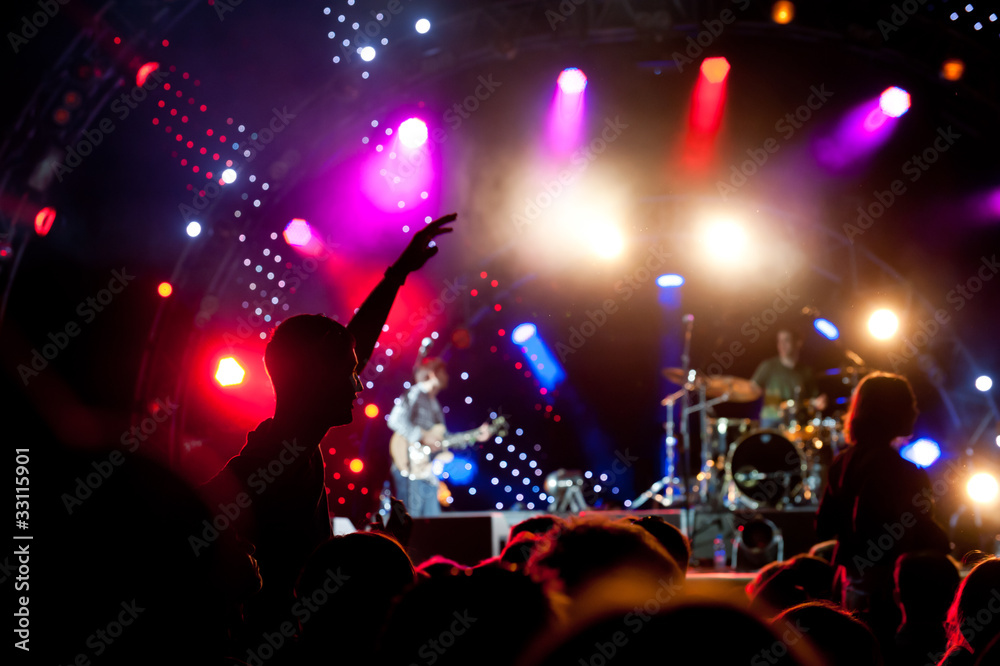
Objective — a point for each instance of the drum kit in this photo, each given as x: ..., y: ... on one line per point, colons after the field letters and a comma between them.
x: 744, y: 465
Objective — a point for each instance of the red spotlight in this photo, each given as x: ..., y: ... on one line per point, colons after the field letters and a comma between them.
x: 230, y: 372
x: 715, y: 70
x: 145, y: 71
x: 371, y: 410
x: 165, y: 289
x: 44, y: 219
x: 357, y: 465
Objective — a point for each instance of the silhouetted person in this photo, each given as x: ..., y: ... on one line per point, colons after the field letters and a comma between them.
x: 669, y: 536
x: 688, y: 632
x: 314, y: 365
x: 925, y: 588
x: 877, y: 505
x: 974, y: 617
x: 835, y: 637
x: 483, y: 616
x: 344, y: 594
x: 537, y: 525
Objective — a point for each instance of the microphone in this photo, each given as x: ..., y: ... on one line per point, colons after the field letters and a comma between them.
x: 688, y: 320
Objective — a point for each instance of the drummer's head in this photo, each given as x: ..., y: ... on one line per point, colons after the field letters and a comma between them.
x: 789, y: 343
x: 883, y: 408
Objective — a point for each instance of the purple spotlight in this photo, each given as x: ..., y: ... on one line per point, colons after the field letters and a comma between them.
x: 572, y: 81
x: 413, y: 133
x: 894, y: 102
x: 298, y: 233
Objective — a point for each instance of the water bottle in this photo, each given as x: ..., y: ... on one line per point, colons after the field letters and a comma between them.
x: 719, y: 553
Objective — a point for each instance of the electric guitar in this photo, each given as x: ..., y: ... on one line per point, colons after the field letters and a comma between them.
x: 418, y: 461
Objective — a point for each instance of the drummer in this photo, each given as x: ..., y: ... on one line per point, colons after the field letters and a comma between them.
x: 783, y: 379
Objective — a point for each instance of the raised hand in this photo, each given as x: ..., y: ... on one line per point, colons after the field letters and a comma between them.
x: 419, y: 250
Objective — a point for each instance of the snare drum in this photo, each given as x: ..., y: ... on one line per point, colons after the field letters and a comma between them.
x: 764, y: 469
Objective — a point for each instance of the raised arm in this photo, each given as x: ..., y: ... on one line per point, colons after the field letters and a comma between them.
x: 367, y: 324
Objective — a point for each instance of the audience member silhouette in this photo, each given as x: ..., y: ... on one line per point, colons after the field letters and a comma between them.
x: 484, y: 615
x: 974, y: 617
x: 314, y: 365
x: 874, y: 522
x: 925, y: 586
x: 344, y: 592
x: 689, y: 632
x: 835, y: 636
x: 669, y: 536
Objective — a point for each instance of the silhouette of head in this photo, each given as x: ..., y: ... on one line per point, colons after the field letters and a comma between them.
x: 671, y: 538
x: 537, y: 525
x: 313, y: 369
x: 925, y: 585
x: 972, y: 621
x: 883, y: 408
x: 348, y: 585
x: 838, y: 637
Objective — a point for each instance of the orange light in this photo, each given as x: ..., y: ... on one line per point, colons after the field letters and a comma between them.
x: 145, y: 71
x: 357, y: 465
x: 783, y: 12
x: 165, y: 289
x: 952, y: 69
x: 44, y: 219
x: 371, y: 410
x: 230, y: 372
x: 715, y: 70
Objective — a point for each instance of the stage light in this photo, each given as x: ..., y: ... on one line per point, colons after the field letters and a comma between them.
x: 193, y: 229
x: 371, y: 410
x: 725, y: 240
x: 883, y: 324
x: 670, y: 280
x: 422, y: 26
x: 165, y: 289
x: 603, y: 238
x: 952, y: 69
x: 229, y: 372
x: 894, y: 102
x: 523, y: 333
x: 367, y: 53
x: 144, y: 72
x: 826, y: 328
x: 984, y: 383
x: 229, y: 176
x: 923, y: 453
x: 298, y: 232
x: 715, y: 70
x: 413, y: 133
x: 982, y: 488
x: 782, y: 12
x: 357, y: 465
x: 572, y: 81
x: 44, y: 219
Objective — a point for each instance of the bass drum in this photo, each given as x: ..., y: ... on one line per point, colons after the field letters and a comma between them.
x: 764, y: 470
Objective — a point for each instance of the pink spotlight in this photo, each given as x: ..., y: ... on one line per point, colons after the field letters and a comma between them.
x: 298, y: 233
x: 572, y: 81
x: 894, y: 102
x: 413, y: 133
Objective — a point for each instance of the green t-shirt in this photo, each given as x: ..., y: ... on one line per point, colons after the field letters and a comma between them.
x: 779, y: 383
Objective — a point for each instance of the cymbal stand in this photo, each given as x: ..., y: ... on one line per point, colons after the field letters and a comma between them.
x: 670, y: 485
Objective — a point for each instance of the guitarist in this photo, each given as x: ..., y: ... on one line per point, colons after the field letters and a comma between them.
x: 418, y: 419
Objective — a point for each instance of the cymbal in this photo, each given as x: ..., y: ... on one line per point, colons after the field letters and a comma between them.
x: 738, y: 389
x: 674, y: 375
